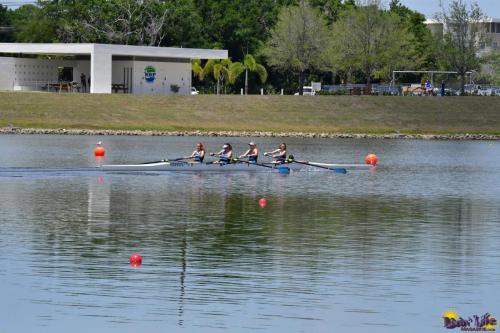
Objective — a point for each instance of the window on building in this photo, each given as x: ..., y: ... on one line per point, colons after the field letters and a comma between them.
x: 495, y: 45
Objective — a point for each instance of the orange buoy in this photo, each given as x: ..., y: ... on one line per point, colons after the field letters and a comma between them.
x: 99, y: 150
x: 135, y: 260
x: 262, y: 202
x: 371, y: 159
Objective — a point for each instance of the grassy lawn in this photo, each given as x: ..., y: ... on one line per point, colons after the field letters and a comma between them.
x: 328, y: 114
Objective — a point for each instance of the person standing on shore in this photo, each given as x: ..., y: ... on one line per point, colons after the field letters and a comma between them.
x: 279, y: 154
x: 252, y: 153
x: 428, y: 88
x: 83, y: 81
x: 225, y: 155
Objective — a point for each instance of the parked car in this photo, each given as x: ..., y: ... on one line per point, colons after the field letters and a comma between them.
x: 194, y: 91
x: 307, y: 91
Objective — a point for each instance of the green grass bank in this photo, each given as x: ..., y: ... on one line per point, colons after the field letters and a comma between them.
x: 317, y: 114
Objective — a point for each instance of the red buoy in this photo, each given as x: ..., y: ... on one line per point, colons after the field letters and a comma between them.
x: 262, y: 202
x: 371, y: 159
x: 135, y: 260
x: 99, y: 150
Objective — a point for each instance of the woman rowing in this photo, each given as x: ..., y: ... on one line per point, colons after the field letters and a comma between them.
x: 252, y: 153
x: 225, y: 155
x: 199, y: 154
x: 279, y: 154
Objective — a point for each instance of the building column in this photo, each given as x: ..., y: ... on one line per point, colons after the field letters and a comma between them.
x: 100, y: 71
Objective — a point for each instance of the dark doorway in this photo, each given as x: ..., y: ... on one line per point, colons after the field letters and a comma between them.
x: 65, y: 74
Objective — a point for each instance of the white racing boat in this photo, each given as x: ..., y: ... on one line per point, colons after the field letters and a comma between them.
x: 188, y: 166
x: 242, y: 166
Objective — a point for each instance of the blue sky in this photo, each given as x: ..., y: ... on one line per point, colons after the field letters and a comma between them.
x: 428, y: 7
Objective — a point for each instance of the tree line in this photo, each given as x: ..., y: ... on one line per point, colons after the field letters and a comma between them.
x: 277, y: 44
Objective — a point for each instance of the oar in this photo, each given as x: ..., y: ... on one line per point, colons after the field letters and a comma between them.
x: 168, y: 160
x: 280, y: 167
x: 237, y: 160
x: 336, y: 170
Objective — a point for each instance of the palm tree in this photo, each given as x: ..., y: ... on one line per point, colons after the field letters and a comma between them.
x: 251, y: 65
x: 223, y: 70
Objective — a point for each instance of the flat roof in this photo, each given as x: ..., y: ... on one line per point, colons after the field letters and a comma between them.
x: 113, y: 49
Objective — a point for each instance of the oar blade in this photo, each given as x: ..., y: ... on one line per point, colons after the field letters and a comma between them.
x: 283, y: 169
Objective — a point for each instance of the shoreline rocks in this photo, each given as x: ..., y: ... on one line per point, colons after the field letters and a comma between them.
x: 63, y: 131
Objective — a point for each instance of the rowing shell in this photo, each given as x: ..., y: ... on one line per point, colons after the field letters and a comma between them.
x: 186, y: 166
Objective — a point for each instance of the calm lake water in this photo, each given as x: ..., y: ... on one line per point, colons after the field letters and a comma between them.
x: 382, y: 251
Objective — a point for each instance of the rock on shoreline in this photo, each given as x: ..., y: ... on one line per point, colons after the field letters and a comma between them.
x: 62, y: 131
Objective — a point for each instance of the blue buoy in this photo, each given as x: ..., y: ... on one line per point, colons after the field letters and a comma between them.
x: 283, y: 169
x: 340, y: 170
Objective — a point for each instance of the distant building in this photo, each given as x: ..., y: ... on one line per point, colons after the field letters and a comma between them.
x: 106, y: 68
x: 491, y: 27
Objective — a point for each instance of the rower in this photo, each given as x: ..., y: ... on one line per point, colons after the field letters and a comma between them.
x: 225, y: 155
x: 252, y: 153
x: 279, y: 154
x: 199, y: 154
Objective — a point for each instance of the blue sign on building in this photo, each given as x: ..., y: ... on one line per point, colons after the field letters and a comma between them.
x: 150, y: 74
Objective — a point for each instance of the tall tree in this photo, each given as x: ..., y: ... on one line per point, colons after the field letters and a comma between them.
x: 490, y: 69
x: 332, y: 9
x: 372, y: 41
x: 424, y: 43
x: 251, y: 65
x: 240, y: 26
x: 299, y: 42
x: 32, y: 25
x: 145, y: 22
x: 5, y: 24
x: 464, y: 35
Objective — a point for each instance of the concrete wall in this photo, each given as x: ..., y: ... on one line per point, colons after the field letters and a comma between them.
x: 81, y: 66
x: 7, y: 76
x: 167, y: 74
x: 32, y: 74
x: 494, y: 40
x: 123, y: 74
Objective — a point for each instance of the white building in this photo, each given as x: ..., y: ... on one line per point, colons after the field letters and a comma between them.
x: 491, y: 27
x: 111, y: 68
